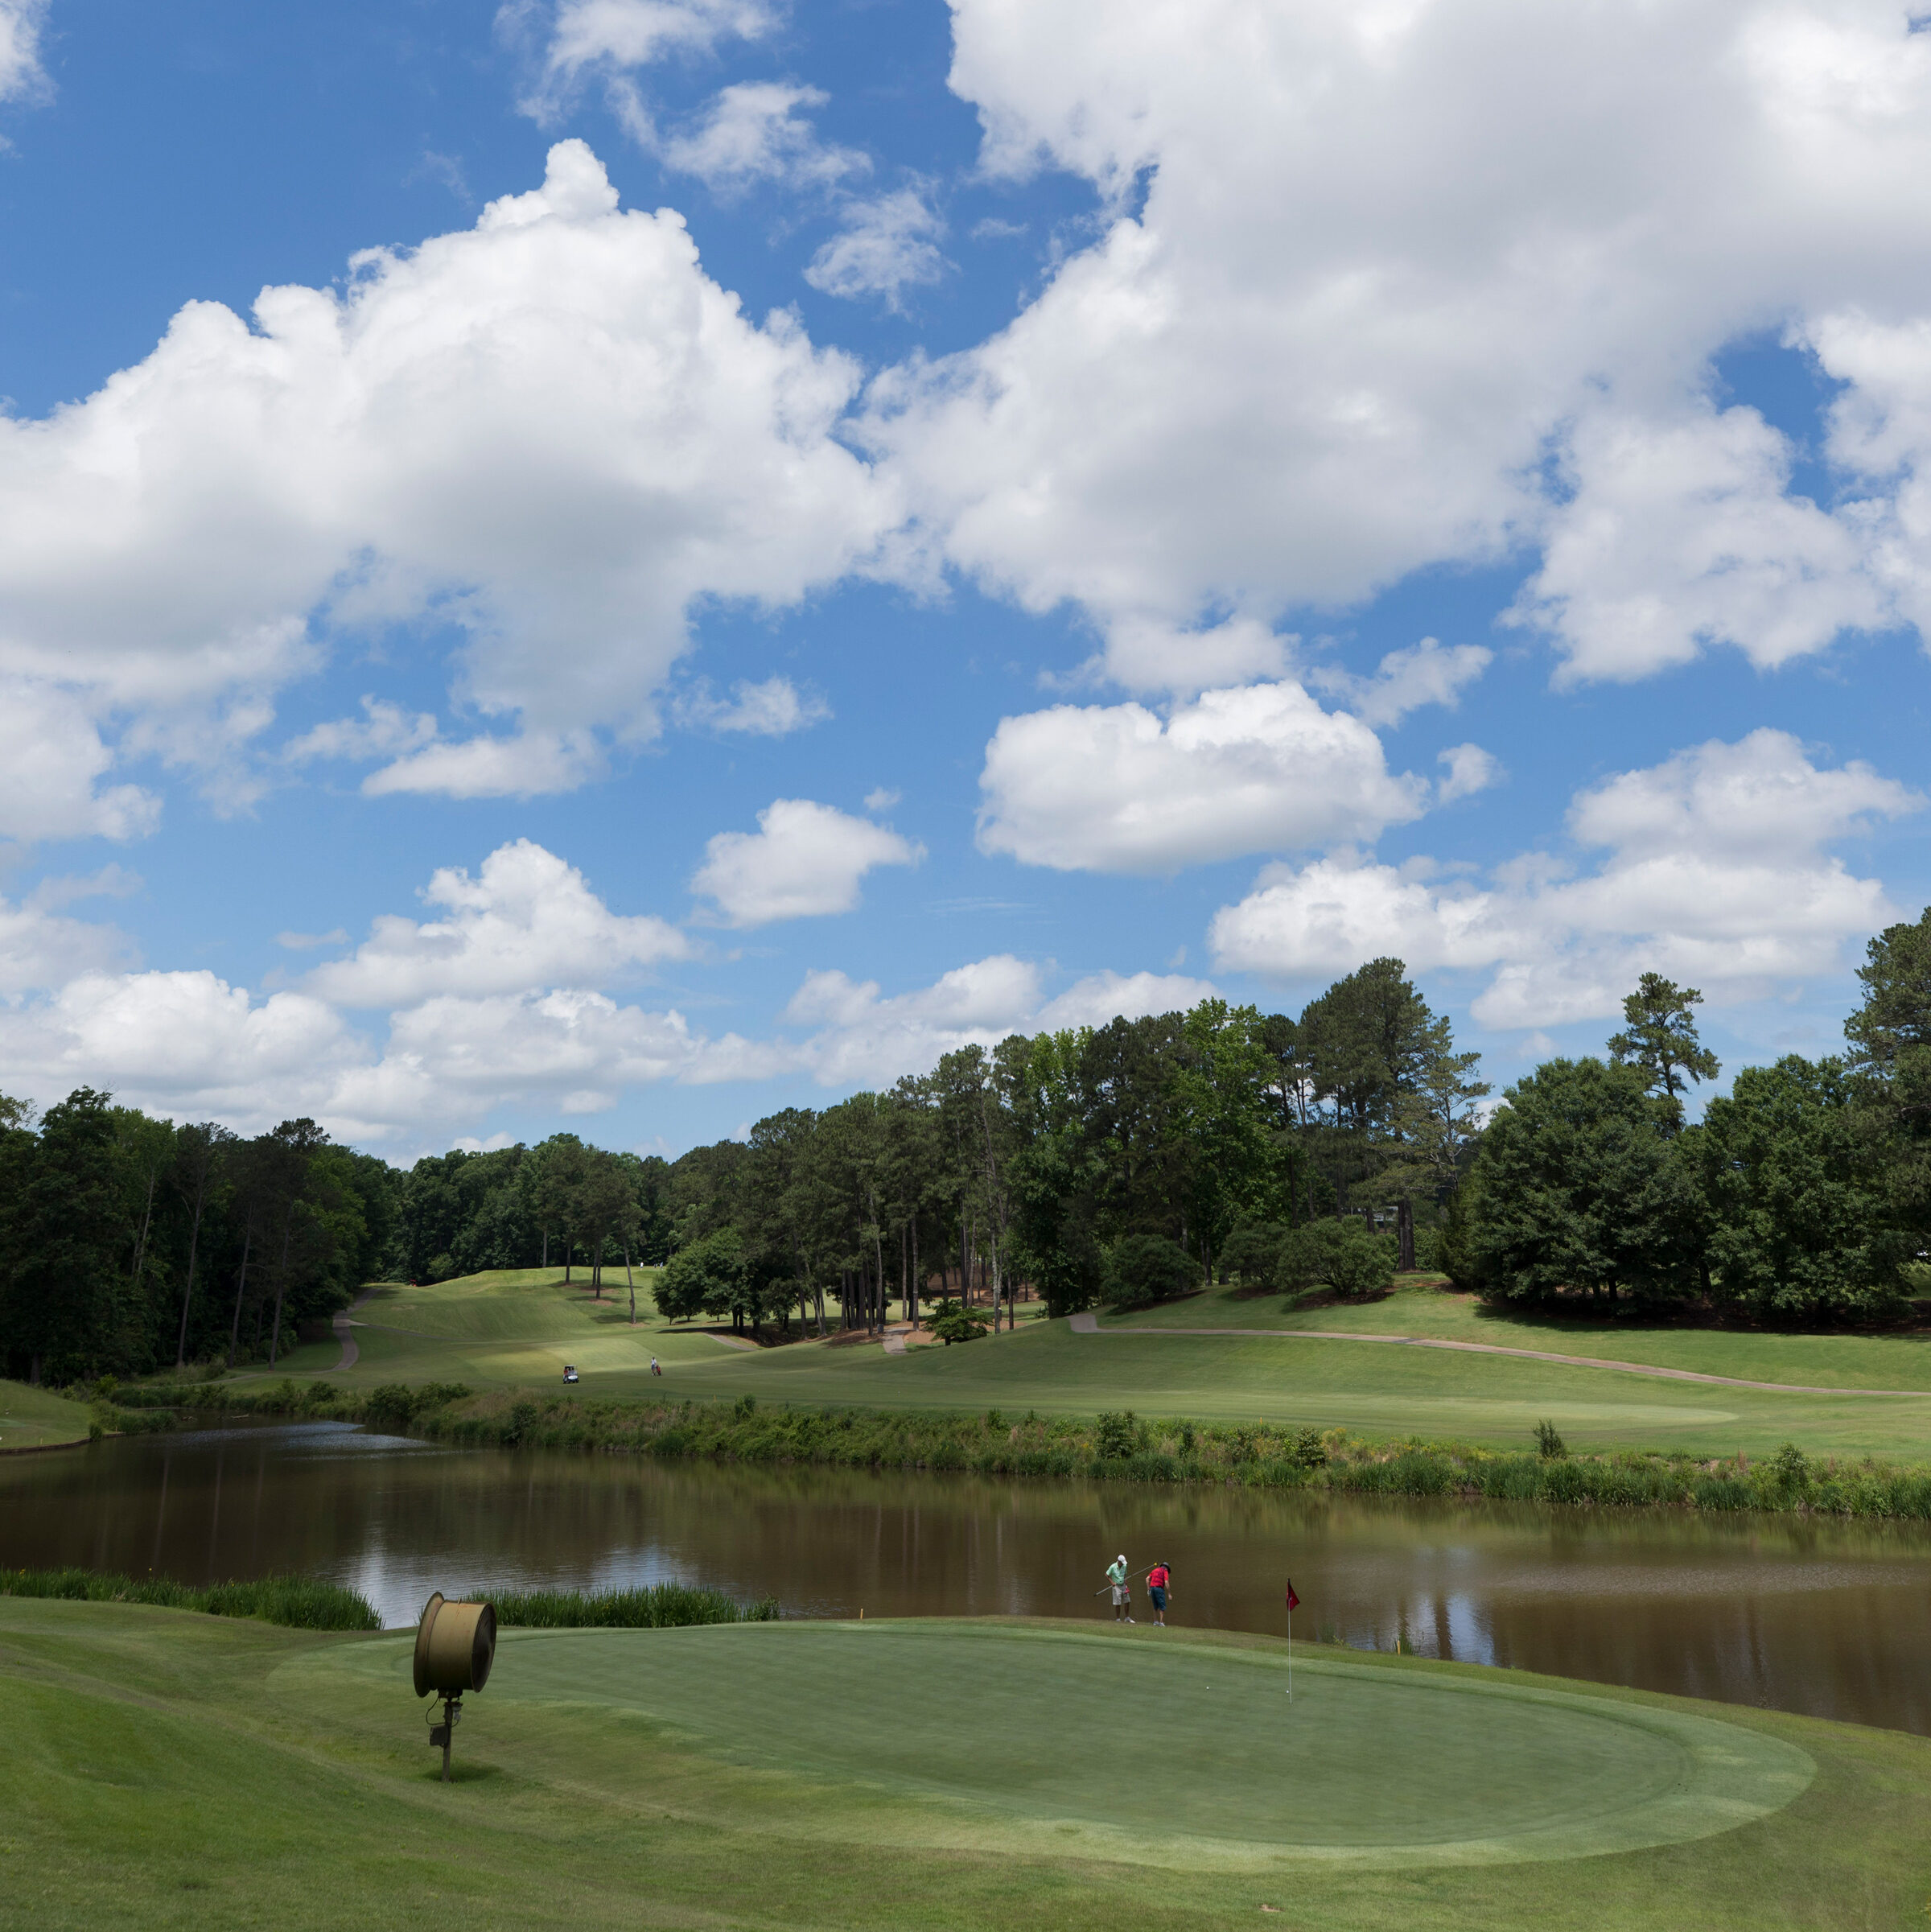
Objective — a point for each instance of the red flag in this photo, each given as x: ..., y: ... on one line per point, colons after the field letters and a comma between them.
x: 1294, y: 1602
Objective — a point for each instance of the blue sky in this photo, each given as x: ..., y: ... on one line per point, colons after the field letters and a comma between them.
x: 757, y: 544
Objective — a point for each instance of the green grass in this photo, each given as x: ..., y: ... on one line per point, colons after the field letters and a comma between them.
x: 163, y: 1769
x: 513, y: 1331
x: 37, y: 1418
x: 504, y: 1330
x: 1899, y: 1360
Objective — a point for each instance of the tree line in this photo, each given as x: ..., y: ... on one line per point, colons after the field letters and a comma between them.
x: 129, y: 1242
x: 1802, y: 1196
x: 1120, y: 1163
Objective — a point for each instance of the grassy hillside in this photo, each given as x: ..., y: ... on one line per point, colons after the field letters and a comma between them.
x: 1894, y: 1360
x: 37, y: 1418
x: 164, y: 1769
x: 513, y: 1330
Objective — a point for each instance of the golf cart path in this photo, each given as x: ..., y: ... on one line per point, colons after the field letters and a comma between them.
x: 1089, y: 1324
x: 344, y: 1328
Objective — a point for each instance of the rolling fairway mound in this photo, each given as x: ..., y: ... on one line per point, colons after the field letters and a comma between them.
x: 165, y: 1769
x: 503, y: 1330
x: 37, y: 1418
x: 517, y: 1328
x: 1895, y: 1359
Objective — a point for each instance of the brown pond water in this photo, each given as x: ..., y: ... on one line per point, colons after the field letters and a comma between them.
x: 1824, y: 1618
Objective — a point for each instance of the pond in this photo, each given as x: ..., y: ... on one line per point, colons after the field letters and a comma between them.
x: 1823, y: 1618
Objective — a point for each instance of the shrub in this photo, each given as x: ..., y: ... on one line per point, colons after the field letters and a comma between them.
x: 1548, y: 1444
x: 952, y: 1323
x: 656, y: 1607
x: 1116, y: 1434
x: 1252, y: 1254
x: 1141, y: 1269
x: 1308, y: 1453
x: 1344, y: 1252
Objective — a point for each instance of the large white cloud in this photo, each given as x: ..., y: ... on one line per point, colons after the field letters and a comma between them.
x: 52, y: 763
x: 1117, y: 788
x: 1715, y: 870
x: 1682, y: 535
x: 185, y: 1043
x: 551, y: 429
x: 804, y: 860
x: 526, y: 920
x: 41, y: 948
x: 1389, y: 258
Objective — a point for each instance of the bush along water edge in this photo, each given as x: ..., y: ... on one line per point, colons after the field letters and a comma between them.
x: 1118, y: 1445
x: 301, y: 1603
x: 309, y: 1603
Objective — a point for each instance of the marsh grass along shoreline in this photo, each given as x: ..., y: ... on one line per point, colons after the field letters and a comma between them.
x: 1117, y: 1446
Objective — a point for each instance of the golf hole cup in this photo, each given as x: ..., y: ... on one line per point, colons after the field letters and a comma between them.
x: 455, y: 1644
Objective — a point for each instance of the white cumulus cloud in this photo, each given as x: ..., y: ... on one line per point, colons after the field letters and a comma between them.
x: 1389, y: 261
x: 526, y: 920
x: 1681, y: 534
x: 52, y: 761
x: 772, y: 709
x: 552, y: 429
x: 1715, y: 869
x: 1405, y: 681
x: 753, y: 131
x: 886, y: 245
x: 574, y: 37
x: 804, y: 860
x: 1118, y: 788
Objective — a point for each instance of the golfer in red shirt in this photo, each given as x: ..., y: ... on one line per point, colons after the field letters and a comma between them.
x: 1157, y: 1579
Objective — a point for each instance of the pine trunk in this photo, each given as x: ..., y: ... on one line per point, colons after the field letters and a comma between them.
x: 234, y: 1335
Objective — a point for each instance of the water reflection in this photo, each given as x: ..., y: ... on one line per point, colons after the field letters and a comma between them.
x: 1815, y: 1617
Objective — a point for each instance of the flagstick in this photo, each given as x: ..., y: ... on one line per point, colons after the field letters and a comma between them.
x: 1290, y: 1657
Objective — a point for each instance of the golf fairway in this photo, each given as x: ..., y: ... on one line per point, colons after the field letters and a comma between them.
x: 1160, y: 1746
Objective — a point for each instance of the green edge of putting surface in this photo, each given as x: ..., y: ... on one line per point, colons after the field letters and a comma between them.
x: 1156, y: 1747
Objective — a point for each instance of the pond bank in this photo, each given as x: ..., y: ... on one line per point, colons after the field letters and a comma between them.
x: 1118, y: 1445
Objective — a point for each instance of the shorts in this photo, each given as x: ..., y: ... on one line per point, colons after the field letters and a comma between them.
x: 1157, y: 1596
x: 1122, y: 1594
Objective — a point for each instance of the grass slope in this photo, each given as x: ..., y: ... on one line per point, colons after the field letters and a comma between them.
x: 1892, y: 1361
x: 36, y: 1418
x: 518, y: 1329
x: 165, y: 1769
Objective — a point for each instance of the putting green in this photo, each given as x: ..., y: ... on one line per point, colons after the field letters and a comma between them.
x: 1162, y: 1746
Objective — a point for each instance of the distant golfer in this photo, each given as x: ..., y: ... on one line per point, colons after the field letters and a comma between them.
x: 1122, y: 1590
x: 654, y: 1368
x: 1158, y: 1579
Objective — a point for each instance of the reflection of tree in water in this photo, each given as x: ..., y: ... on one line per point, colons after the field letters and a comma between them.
x: 1807, y: 1615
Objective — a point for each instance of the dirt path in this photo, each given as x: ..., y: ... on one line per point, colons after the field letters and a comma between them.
x: 1089, y: 1324
x: 344, y: 1332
